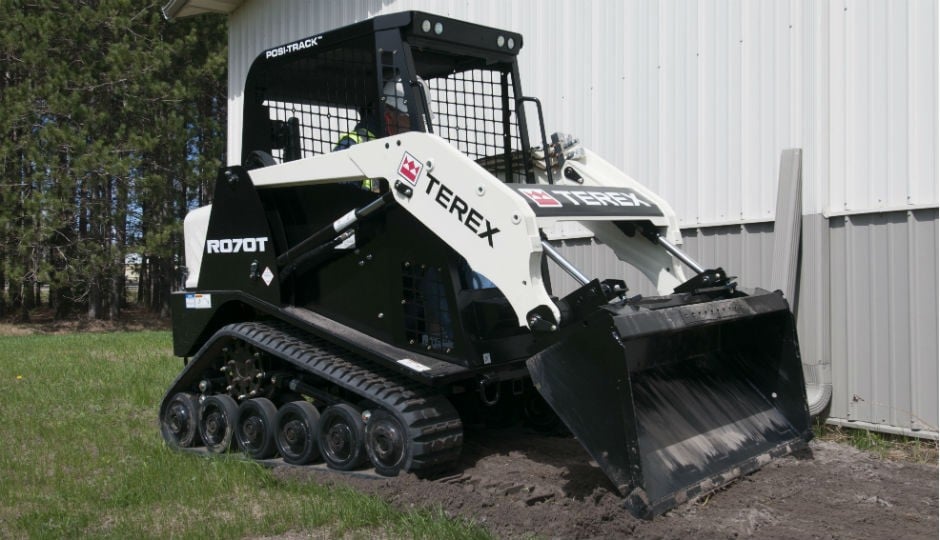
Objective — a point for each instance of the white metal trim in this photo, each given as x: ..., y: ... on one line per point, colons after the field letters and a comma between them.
x: 828, y: 214
x: 884, y: 428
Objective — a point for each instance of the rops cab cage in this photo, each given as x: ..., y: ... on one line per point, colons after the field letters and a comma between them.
x: 303, y: 98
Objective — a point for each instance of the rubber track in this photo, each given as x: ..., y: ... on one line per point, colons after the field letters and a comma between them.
x: 433, y: 427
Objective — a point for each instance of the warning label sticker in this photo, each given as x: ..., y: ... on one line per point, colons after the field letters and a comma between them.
x: 198, y: 301
x: 409, y: 363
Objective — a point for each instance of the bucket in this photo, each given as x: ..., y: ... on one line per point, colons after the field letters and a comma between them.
x: 672, y: 399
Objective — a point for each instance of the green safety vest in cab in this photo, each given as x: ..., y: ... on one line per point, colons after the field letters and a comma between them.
x: 356, y: 137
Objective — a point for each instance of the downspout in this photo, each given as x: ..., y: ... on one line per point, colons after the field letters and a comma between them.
x: 786, y: 265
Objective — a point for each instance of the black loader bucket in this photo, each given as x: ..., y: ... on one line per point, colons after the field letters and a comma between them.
x: 673, y: 402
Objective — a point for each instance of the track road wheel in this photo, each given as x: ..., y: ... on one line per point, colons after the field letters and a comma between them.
x: 340, y: 437
x: 179, y: 421
x: 385, y: 443
x: 540, y: 417
x: 217, y: 419
x: 295, y: 432
x: 255, y: 429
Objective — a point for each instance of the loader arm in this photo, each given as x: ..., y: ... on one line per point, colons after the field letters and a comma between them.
x: 496, y: 226
x: 467, y: 207
x: 592, y: 171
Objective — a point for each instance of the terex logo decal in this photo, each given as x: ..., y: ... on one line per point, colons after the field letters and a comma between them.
x: 541, y: 198
x: 471, y: 218
x: 600, y: 198
x: 557, y: 198
x: 236, y: 245
x: 410, y: 168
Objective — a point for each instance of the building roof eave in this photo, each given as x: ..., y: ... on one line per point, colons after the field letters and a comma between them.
x: 175, y: 9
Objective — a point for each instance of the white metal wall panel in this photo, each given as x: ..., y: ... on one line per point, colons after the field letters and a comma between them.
x: 884, y: 105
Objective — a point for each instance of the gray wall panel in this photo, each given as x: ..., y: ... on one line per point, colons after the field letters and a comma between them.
x: 742, y: 250
x: 924, y: 320
x: 884, y: 318
x: 813, y: 302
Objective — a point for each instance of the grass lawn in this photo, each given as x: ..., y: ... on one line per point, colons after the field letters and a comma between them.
x: 81, y: 456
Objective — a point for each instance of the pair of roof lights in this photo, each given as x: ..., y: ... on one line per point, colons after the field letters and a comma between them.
x: 438, y: 28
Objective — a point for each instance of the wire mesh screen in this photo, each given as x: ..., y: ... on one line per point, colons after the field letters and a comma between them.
x: 427, y: 315
x: 313, y: 104
x: 318, y: 128
x: 474, y: 110
x: 311, y: 101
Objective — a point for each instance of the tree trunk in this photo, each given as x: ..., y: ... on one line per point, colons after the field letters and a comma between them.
x: 142, y: 282
x: 3, y: 293
x: 26, y: 293
x: 166, y: 278
x: 117, y: 294
x: 94, y: 298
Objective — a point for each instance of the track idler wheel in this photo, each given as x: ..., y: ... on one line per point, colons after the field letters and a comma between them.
x: 255, y: 429
x: 217, y: 419
x: 386, y: 443
x: 340, y: 437
x: 295, y: 432
x: 540, y: 417
x: 179, y: 421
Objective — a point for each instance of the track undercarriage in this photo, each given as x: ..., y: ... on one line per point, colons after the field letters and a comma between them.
x: 269, y: 389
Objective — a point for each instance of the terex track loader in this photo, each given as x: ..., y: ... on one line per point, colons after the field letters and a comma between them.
x: 375, y: 275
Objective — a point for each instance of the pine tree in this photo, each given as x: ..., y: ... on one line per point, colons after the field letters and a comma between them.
x: 113, y: 126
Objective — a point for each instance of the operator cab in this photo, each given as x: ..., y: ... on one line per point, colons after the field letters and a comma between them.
x: 457, y: 80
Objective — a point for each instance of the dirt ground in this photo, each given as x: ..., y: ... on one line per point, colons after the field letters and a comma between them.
x: 517, y: 484
x: 42, y: 321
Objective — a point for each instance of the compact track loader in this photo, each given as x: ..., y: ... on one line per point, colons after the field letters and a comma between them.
x: 375, y: 276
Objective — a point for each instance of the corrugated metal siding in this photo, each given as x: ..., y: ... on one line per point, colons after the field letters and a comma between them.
x: 883, y: 295
x: 742, y: 250
x: 883, y: 97
x: 812, y: 304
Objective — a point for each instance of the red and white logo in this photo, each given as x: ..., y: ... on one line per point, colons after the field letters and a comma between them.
x: 541, y: 198
x: 410, y: 168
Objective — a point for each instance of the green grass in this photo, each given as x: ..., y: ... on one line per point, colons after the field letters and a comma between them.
x: 81, y: 456
x: 883, y: 445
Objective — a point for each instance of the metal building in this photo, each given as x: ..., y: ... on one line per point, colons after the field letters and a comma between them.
x: 698, y: 100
